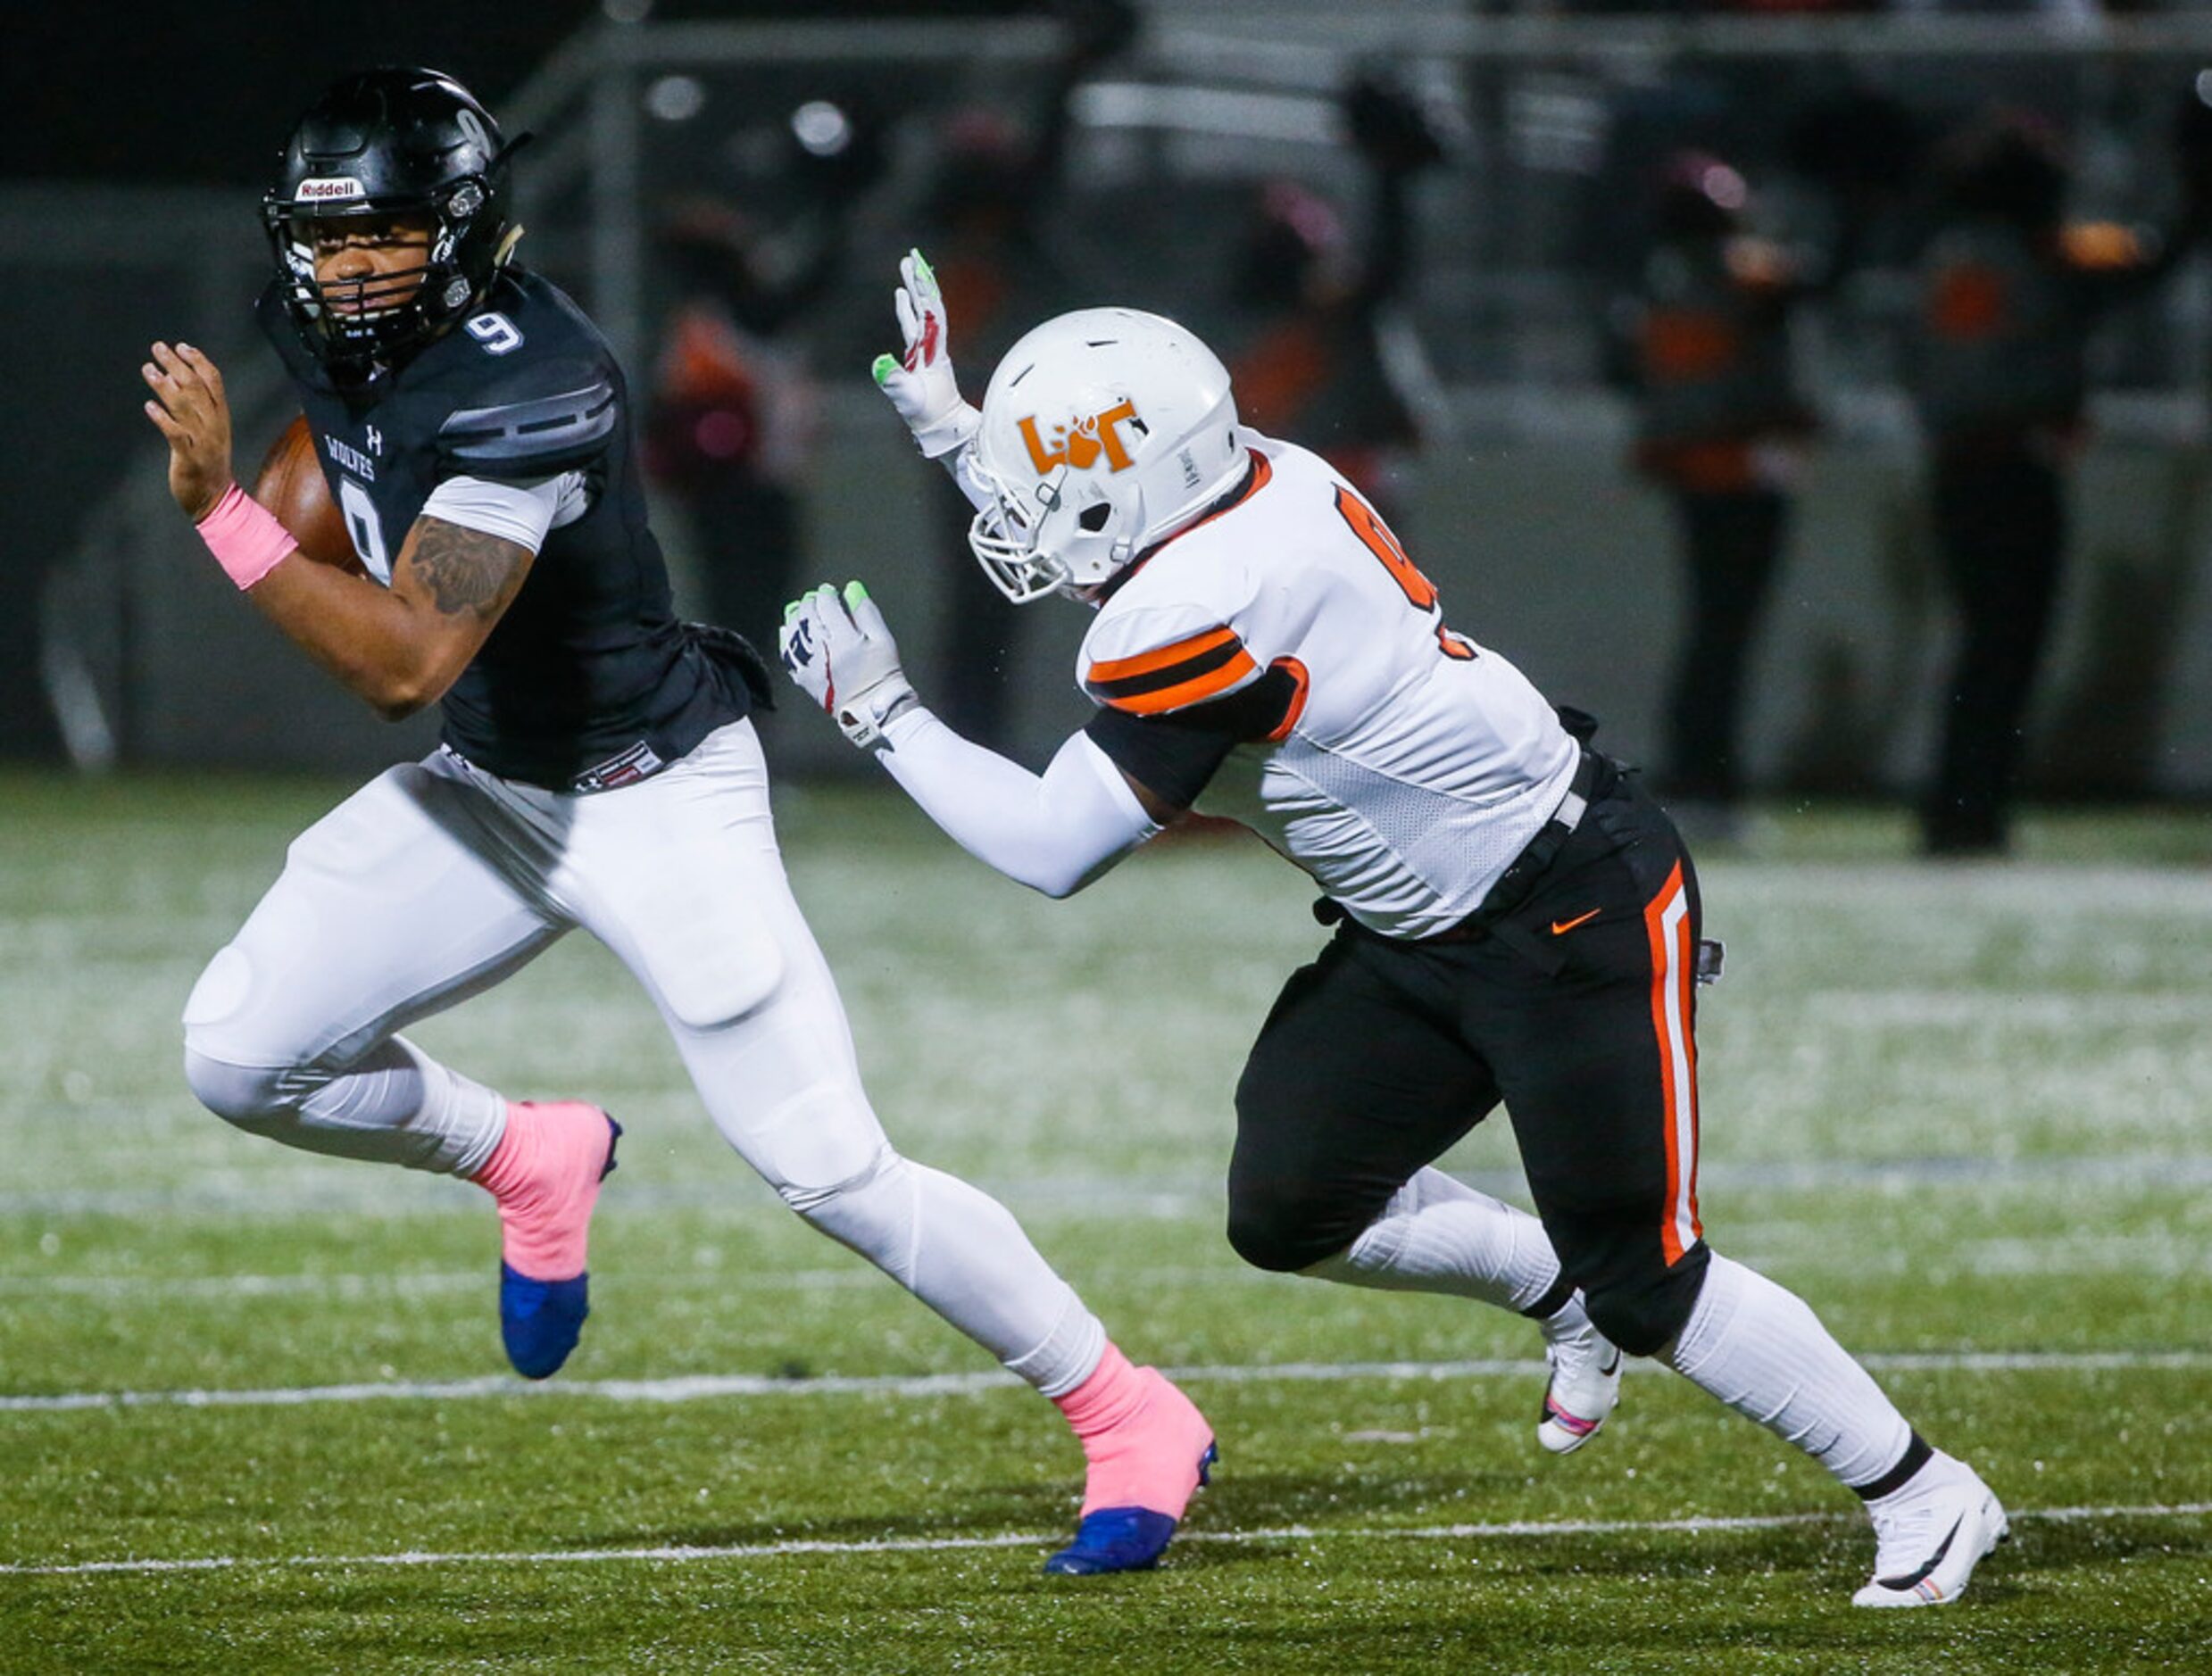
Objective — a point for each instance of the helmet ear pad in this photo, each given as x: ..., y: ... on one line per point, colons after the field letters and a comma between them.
x: 1103, y: 432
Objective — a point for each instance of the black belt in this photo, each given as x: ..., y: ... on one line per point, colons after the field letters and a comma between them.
x: 1514, y: 885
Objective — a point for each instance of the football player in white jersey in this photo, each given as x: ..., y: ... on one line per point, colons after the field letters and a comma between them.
x: 1517, y: 920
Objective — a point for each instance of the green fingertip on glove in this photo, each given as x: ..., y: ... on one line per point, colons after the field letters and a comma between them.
x: 884, y: 367
x: 856, y: 594
x: 921, y: 265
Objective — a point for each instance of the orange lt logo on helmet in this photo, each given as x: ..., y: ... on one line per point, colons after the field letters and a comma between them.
x: 1080, y: 447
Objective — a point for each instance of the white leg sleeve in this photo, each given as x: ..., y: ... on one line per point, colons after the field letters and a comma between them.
x: 1437, y: 1234
x: 1761, y: 1350
x: 396, y: 1104
x: 962, y: 1253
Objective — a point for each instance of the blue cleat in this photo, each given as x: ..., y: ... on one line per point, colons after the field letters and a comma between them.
x: 540, y: 1321
x: 1121, y: 1538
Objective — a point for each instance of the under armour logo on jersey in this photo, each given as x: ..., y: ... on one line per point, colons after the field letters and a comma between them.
x: 1077, y: 446
x: 376, y: 440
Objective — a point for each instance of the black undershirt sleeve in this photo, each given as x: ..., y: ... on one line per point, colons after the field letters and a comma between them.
x: 1174, y: 755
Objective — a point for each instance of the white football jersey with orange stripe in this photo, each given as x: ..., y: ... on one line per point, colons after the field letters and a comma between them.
x: 1414, y: 765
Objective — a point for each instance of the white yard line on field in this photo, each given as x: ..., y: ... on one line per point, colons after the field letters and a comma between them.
x: 942, y: 1545
x: 692, y: 1388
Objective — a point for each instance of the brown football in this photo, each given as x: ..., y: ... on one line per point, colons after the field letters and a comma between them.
x: 291, y: 485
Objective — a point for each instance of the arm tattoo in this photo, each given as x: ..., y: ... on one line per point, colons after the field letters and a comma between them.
x: 466, y: 570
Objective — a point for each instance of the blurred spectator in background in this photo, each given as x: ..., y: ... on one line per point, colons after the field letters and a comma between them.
x: 980, y: 227
x: 1720, y: 426
x: 1313, y: 370
x: 731, y: 419
x: 2009, y: 294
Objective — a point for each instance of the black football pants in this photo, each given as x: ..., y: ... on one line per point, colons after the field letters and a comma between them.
x: 1575, y: 1010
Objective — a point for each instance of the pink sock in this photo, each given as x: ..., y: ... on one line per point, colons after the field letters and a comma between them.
x: 545, y: 1176
x: 1141, y: 1436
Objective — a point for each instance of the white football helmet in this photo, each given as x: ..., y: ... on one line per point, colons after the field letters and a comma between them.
x: 1104, y: 432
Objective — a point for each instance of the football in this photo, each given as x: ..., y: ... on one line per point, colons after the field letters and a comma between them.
x: 291, y: 485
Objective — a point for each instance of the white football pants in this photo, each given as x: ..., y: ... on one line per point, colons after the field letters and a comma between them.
x: 437, y: 880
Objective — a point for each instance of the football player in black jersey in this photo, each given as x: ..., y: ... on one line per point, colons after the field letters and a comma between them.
x: 597, y: 769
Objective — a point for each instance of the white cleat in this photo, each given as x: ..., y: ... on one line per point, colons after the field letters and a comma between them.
x: 1586, y: 1380
x: 1933, y: 1532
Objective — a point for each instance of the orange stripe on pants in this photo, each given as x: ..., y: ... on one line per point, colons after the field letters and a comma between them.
x: 1667, y: 922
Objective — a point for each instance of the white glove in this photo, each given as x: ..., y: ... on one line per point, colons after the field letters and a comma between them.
x: 921, y: 384
x: 840, y: 653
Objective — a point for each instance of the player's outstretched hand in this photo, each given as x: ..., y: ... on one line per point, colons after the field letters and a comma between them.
x: 189, y: 408
x: 839, y: 650
x: 920, y: 382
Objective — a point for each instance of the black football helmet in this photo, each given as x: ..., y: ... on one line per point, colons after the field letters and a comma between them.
x: 379, y: 143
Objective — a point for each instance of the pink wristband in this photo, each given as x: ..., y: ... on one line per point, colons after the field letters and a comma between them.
x: 245, y: 537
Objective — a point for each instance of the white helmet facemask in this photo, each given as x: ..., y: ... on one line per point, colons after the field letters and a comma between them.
x: 1103, y: 432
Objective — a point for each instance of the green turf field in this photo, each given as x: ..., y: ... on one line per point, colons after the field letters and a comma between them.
x: 253, y: 1414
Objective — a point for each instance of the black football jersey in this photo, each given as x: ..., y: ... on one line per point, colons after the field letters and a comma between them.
x: 588, y: 680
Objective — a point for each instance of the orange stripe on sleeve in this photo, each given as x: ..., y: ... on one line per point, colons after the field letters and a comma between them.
x: 1197, y: 690
x: 1160, y: 657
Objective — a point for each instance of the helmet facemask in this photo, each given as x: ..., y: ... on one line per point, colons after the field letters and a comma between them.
x: 1058, y: 535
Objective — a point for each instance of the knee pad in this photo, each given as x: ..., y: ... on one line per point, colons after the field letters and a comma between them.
x: 872, y: 1213
x: 1283, y: 1229
x: 250, y: 1096
x: 231, y: 1026
x: 1644, y: 1315
x: 221, y: 993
